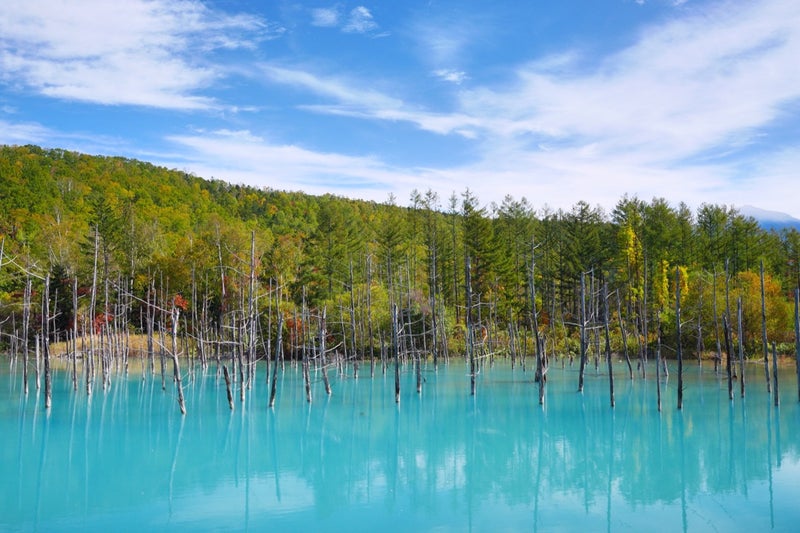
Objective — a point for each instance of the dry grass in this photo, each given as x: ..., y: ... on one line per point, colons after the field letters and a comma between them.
x: 137, y: 345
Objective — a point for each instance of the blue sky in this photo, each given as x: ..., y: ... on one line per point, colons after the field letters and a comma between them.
x: 555, y: 101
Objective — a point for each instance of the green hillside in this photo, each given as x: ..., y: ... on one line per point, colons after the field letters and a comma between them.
x: 155, y: 229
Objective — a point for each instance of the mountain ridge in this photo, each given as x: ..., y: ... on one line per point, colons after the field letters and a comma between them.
x: 770, y: 220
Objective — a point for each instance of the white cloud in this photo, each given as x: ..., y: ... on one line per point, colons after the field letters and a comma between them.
x: 22, y: 133
x: 675, y: 114
x: 360, y: 21
x: 672, y: 115
x: 325, y: 17
x: 242, y: 157
x: 691, y: 86
x: 454, y: 76
x: 148, y: 53
x: 338, y: 89
x: 351, y: 99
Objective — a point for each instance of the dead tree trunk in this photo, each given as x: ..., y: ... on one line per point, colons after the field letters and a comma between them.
x: 274, y: 387
x: 700, y: 324
x: 718, y: 355
x: 624, y: 337
x: 150, y: 319
x: 92, y: 304
x: 75, y: 334
x: 396, y: 354
x: 644, y: 323
x: 322, y: 336
x: 369, y: 318
x: 252, y: 315
x: 775, y: 374
x: 728, y: 350
x: 512, y: 339
x: 608, y: 345
x: 583, y: 333
x: 48, y: 387
x: 594, y: 312
x: 658, y: 359
x: 306, y: 376
x: 764, y: 329
x: 728, y: 305
x: 678, y: 348
x: 176, y: 371
x: 228, y: 386
x: 434, y: 324
x: 353, y: 323
x: 26, y: 318
x: 540, y: 375
x: 470, y: 333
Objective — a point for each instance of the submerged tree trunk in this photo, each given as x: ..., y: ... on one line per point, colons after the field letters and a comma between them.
x: 434, y: 324
x: 700, y: 324
x: 644, y: 323
x: 678, y: 349
x: 274, y: 387
x: 322, y: 335
x: 470, y: 326
x: 306, y: 364
x: 718, y: 355
x: 396, y: 354
x: 75, y: 334
x: 353, y: 323
x: 728, y: 350
x: 728, y: 309
x: 624, y: 338
x: 92, y: 304
x: 26, y: 318
x: 176, y: 371
x: 764, y: 329
x: 775, y: 374
x: 583, y: 333
x: 228, y: 386
x: 370, y: 331
x: 540, y: 372
x: 48, y: 387
x: 608, y: 345
x: 658, y: 359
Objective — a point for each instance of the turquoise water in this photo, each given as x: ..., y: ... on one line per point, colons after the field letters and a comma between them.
x: 125, y: 459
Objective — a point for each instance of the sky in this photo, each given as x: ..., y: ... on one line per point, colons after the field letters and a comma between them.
x: 694, y: 101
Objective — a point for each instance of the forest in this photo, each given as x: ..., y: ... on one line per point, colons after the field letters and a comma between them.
x: 100, y: 251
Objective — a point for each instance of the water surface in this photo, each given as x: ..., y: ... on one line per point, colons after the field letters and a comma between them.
x: 125, y: 458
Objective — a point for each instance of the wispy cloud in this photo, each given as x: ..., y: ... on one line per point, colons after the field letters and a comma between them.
x: 243, y: 157
x: 349, y: 98
x: 325, y: 17
x: 700, y: 84
x: 360, y: 21
x: 148, y: 53
x: 454, y: 76
x: 22, y: 133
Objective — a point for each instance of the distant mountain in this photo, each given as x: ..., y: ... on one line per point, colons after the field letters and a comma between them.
x: 770, y: 220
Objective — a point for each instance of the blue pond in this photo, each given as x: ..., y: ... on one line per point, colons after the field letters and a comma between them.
x: 125, y: 458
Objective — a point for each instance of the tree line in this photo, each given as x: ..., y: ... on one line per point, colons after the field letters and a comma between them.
x: 96, y: 244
